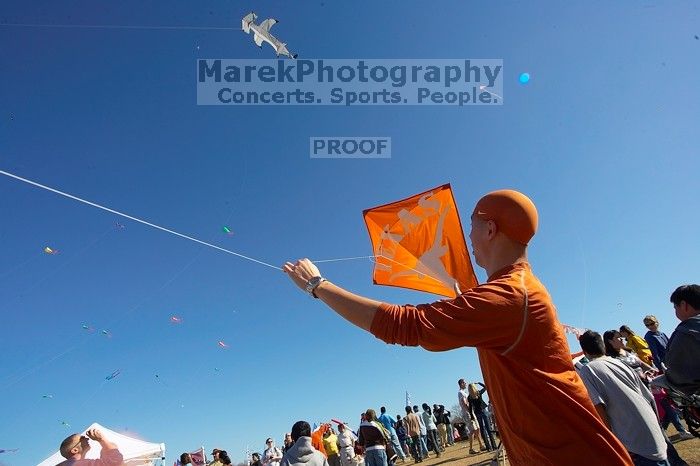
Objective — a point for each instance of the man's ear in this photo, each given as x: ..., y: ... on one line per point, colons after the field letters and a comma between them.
x: 493, y: 228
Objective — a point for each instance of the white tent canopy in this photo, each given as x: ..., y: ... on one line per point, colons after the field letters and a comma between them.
x: 136, y: 452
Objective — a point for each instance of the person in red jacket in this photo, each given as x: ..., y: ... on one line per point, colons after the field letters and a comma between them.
x: 543, y: 411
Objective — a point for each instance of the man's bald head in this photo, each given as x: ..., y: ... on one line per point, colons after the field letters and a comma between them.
x: 514, y: 214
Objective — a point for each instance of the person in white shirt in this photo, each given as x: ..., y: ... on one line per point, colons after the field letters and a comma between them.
x: 431, y: 428
x: 463, y: 400
x: 272, y: 454
x: 346, y: 443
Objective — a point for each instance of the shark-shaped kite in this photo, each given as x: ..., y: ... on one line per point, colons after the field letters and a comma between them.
x: 261, y: 33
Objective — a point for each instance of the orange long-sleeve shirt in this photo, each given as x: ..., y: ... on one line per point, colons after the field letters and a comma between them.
x: 543, y: 411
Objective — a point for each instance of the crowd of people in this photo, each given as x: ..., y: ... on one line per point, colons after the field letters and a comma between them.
x: 627, y: 377
x: 380, y: 440
x: 547, y: 412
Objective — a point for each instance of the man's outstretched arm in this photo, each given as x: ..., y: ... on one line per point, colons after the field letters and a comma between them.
x: 488, y: 316
x: 354, y: 308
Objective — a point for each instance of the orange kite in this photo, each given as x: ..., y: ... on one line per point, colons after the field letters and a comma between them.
x: 419, y: 244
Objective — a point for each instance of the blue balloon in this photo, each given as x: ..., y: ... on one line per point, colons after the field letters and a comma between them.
x: 524, y: 78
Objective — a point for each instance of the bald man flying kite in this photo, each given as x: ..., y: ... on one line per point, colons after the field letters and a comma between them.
x: 543, y: 411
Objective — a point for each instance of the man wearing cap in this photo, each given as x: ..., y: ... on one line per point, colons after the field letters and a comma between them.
x: 216, y: 461
x: 544, y: 414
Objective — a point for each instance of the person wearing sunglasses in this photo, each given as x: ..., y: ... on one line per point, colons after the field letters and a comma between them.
x: 272, y: 455
x: 75, y: 447
x: 657, y: 341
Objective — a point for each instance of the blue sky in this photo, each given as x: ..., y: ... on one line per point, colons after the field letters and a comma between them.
x: 603, y: 138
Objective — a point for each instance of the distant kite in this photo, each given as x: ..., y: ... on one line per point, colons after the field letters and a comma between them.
x: 419, y: 244
x: 160, y: 381
x: 107, y: 333
x: 11, y: 450
x: 176, y: 320
x: 50, y: 251
x: 113, y: 375
x: 119, y: 226
x: 222, y: 344
x: 261, y: 33
x: 47, y: 396
x: 64, y: 423
x: 227, y: 230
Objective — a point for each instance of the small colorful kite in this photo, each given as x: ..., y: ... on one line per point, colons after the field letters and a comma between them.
x: 107, y: 333
x: 119, y: 226
x: 113, y: 375
x: 50, y: 251
x: 227, y: 230
x: 88, y: 328
x: 11, y: 450
x: 64, y: 423
x: 47, y: 396
x: 419, y: 244
x: 176, y: 320
x: 222, y: 344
